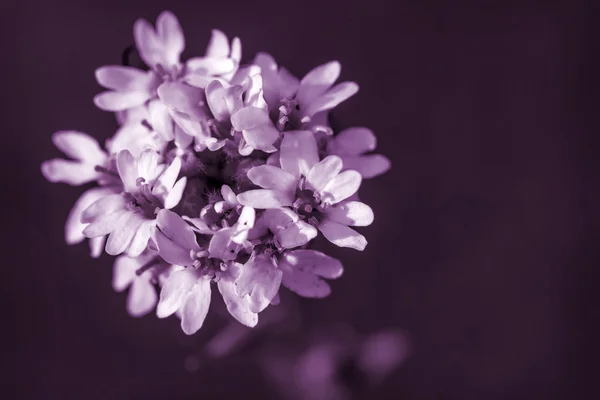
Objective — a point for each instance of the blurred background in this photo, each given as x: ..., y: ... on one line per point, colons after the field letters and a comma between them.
x: 483, y: 253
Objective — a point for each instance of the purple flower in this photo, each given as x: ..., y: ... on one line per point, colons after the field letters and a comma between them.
x: 266, y: 175
x: 129, y: 217
x: 315, y: 189
x: 300, y: 101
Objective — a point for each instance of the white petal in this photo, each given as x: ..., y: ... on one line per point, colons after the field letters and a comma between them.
x: 176, y: 230
x: 259, y: 279
x: 102, y: 206
x: 103, y: 225
x: 97, y: 246
x: 74, y: 227
x: 323, y: 172
x: 207, y: 67
x: 183, y: 98
x: 228, y: 195
x: 79, y: 146
x: 368, y: 166
x: 342, y: 236
x: 169, y: 31
x: 353, y: 141
x: 125, y: 79
x: 142, y: 298
x: 170, y: 251
x: 262, y: 138
x: 341, y: 187
x: 174, y: 196
x: 314, y: 262
x: 317, y: 81
x: 140, y: 240
x: 147, y: 43
x: 71, y: 172
x: 249, y: 117
x: 127, y: 170
x: 237, y: 306
x: 175, y: 291
x: 301, y: 279
x: 269, y: 177
x: 121, y: 236
x: 146, y: 164
x: 124, y: 269
x: 265, y: 198
x: 218, y: 46
x: 299, y: 152
x: 160, y: 120
x: 331, y: 98
x: 296, y: 234
x: 247, y: 218
x: 351, y: 213
x: 166, y: 180
x: 196, y: 307
x: 215, y: 98
x: 118, y: 101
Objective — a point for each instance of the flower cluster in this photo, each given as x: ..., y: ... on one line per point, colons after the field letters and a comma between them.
x: 220, y: 172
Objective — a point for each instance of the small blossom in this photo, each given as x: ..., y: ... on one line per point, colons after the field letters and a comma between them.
x: 313, y: 188
x: 129, y: 218
x: 299, y: 102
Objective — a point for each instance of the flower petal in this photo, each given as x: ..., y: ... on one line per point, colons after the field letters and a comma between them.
x: 265, y: 198
x: 296, y: 234
x: 218, y: 46
x: 176, y: 230
x: 121, y: 236
x: 125, y: 79
x: 261, y: 138
x: 317, y: 81
x: 160, y: 120
x: 342, y: 236
x: 142, y: 298
x: 196, y: 307
x: 314, y: 262
x: 169, y: 31
x: 170, y: 251
x: 368, y: 166
x: 141, y: 238
x: 303, y: 282
x: 124, y: 269
x: 183, y: 98
x: 146, y: 164
x: 126, y: 165
x: 148, y: 43
x: 215, y: 98
x: 103, y: 225
x: 73, y: 226
x: 79, y: 146
x: 353, y: 142
x: 103, y: 206
x: 74, y: 173
x: 237, y: 306
x: 97, y: 246
x: 175, y: 291
x: 249, y: 117
x: 269, y: 177
x: 165, y: 182
x: 175, y: 194
x: 119, y: 101
x: 351, y: 213
x: 331, y: 98
x: 323, y: 172
x: 207, y: 68
x: 341, y: 187
x: 259, y: 279
x: 299, y: 152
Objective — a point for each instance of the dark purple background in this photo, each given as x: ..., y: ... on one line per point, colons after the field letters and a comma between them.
x: 484, y: 243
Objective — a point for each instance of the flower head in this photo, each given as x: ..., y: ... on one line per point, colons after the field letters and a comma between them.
x: 220, y: 173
